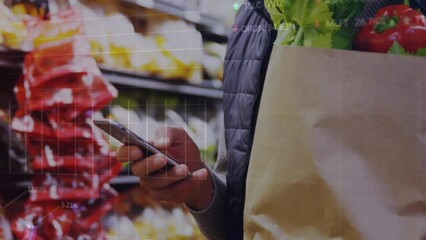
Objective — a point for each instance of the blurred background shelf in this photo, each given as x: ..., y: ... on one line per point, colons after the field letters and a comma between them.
x: 21, y: 183
x: 211, y: 28
x: 128, y: 78
x: 11, y: 65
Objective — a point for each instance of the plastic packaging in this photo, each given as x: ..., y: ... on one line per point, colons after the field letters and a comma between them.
x: 91, y: 212
x: 72, y: 164
x: 57, y: 129
x: 57, y: 95
x: 65, y: 219
x: 52, y: 147
x: 12, y: 30
x: 43, y: 221
x: 57, y: 59
x: 72, y: 187
x: 25, y: 226
x: 73, y: 94
x: 63, y: 25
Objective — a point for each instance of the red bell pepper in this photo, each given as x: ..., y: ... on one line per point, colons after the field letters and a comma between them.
x: 393, y: 23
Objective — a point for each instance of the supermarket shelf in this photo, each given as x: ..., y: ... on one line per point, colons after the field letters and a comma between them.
x: 213, y: 29
x: 18, y: 187
x: 209, y: 88
x: 11, y: 63
x: 119, y: 180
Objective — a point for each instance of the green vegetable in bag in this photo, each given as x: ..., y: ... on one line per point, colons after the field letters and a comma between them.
x: 314, y: 23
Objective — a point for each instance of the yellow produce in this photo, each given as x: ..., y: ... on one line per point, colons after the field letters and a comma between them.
x: 14, y: 35
x: 182, y: 47
x: 27, y: 9
x: 13, y: 32
x: 95, y: 28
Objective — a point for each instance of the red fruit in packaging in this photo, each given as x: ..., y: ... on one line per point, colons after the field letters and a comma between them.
x: 26, y: 225
x: 64, y: 24
x: 75, y: 92
x: 35, y: 127
x: 72, y: 187
x: 91, y: 212
x: 55, y: 59
x: 38, y: 76
x: 46, y: 220
x: 58, y: 221
x: 70, y: 164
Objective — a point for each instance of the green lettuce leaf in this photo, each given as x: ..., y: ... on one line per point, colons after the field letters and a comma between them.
x: 344, y: 10
x: 397, y: 49
x: 275, y: 9
x: 343, y: 38
x: 421, y: 52
x: 313, y: 23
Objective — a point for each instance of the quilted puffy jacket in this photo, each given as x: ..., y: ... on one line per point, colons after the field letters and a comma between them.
x: 247, y: 58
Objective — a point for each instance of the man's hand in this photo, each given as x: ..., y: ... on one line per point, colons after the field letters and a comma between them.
x: 173, y: 185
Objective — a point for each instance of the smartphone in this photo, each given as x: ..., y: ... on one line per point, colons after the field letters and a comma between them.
x: 127, y: 137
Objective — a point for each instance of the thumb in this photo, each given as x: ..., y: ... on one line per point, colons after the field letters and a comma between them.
x: 167, y: 136
x: 161, y: 142
x: 200, y: 174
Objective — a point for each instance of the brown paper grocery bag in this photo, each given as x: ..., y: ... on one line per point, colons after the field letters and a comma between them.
x: 340, y: 148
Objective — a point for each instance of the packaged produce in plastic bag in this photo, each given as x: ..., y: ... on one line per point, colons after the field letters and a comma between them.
x: 52, y: 125
x: 38, y: 78
x: 104, y: 165
x: 50, y: 220
x: 91, y: 212
x: 53, y: 220
x: 64, y: 219
x: 58, y: 58
x: 85, y: 159
x: 74, y: 185
x: 13, y: 32
x: 97, y: 163
x: 72, y: 156
x: 82, y: 91
x: 69, y: 164
x: 67, y: 187
x: 63, y: 25
x: 39, y: 142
